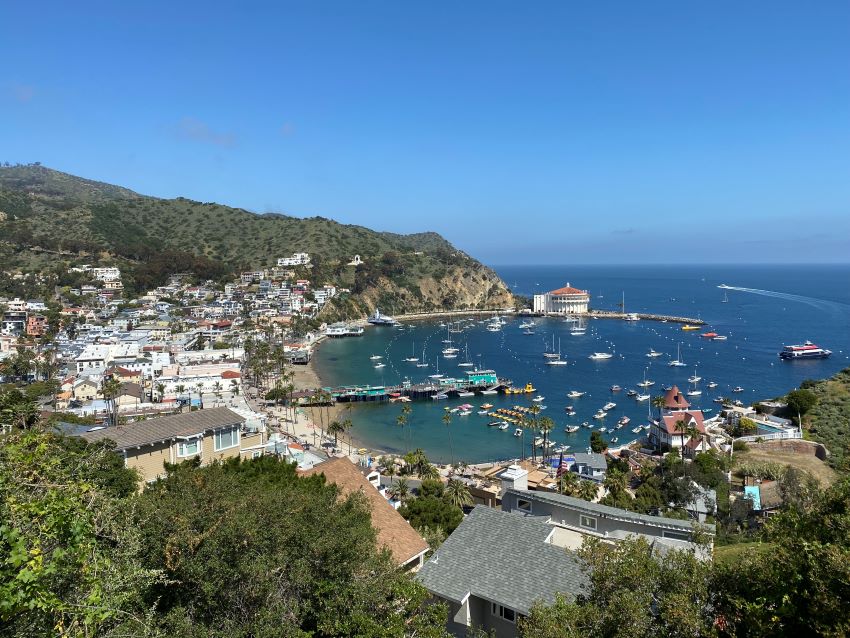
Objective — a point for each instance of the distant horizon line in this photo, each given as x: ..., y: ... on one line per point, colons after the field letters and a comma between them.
x: 680, y: 264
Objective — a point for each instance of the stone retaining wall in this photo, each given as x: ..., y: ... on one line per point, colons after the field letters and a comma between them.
x: 797, y: 446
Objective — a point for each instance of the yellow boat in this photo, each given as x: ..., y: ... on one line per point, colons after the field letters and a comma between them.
x: 690, y: 327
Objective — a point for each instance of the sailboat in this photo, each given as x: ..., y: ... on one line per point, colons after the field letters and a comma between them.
x: 725, y: 298
x: 646, y: 382
x: 694, y: 378
x: 578, y: 329
x: 422, y: 363
x: 558, y: 361
x: 694, y: 392
x: 677, y: 362
x: 631, y: 316
x: 467, y: 363
x: 553, y: 354
x: 437, y: 374
x: 412, y: 358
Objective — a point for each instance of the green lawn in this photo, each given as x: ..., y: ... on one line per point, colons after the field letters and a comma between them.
x: 732, y: 553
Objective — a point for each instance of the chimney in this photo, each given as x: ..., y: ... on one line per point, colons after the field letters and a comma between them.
x: 513, y: 478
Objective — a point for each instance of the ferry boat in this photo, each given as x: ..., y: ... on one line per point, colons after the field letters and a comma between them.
x: 378, y: 319
x: 598, y: 356
x: 807, y: 350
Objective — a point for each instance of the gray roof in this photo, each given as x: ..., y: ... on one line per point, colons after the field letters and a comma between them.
x: 504, y: 558
x: 607, y: 511
x: 592, y: 459
x: 166, y: 427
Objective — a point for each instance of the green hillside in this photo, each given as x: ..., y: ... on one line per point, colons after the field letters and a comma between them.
x: 829, y: 420
x: 49, y: 219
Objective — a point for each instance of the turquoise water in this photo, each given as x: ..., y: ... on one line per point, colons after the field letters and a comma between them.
x: 780, y: 305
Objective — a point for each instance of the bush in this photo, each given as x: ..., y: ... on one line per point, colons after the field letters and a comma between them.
x: 740, y: 446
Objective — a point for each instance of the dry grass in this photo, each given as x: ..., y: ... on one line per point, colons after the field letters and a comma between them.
x: 808, y: 462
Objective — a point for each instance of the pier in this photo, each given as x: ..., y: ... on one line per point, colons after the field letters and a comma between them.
x: 476, y: 382
x: 623, y: 316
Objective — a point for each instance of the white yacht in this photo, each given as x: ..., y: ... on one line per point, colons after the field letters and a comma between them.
x: 598, y: 356
x: 575, y: 394
x: 677, y: 362
x: 652, y: 354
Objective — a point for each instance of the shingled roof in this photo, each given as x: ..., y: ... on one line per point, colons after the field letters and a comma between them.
x: 502, y: 557
x: 166, y: 427
x: 394, y: 532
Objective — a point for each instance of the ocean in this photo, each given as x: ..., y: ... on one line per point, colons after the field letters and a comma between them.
x: 767, y: 307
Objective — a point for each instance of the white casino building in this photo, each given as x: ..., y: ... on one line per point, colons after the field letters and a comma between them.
x: 563, y: 301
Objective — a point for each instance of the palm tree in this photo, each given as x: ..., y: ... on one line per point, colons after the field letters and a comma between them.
x: 234, y: 387
x: 659, y: 402
x: 428, y: 472
x: 568, y: 483
x: 160, y: 390
x: 615, y: 483
x: 588, y: 490
x: 347, y: 425
x: 534, y: 410
x: 110, y: 388
x: 546, y: 424
x: 447, y: 420
x: 400, y: 490
x: 681, y: 428
x: 335, y: 428
x: 217, y: 390
x: 180, y: 389
x: 458, y: 493
x: 199, y: 388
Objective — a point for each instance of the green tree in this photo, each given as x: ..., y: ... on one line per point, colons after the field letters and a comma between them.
x: 801, y: 401
x: 597, y: 443
x: 233, y: 569
x: 400, y: 490
x: 633, y: 592
x: 336, y: 428
x: 458, y: 494
x: 69, y: 548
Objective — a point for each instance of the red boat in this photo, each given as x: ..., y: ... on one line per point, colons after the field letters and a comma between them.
x: 709, y: 335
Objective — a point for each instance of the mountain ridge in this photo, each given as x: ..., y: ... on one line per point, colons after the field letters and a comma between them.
x: 49, y: 212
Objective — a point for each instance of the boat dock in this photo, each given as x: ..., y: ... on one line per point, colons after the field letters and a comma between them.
x: 476, y: 381
x: 628, y: 316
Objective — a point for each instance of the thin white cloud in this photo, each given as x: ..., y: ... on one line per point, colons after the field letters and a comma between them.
x: 192, y: 129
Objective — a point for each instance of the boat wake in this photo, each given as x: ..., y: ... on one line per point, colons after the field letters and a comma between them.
x: 821, y: 304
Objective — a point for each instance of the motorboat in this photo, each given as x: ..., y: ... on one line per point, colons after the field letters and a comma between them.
x: 504, y: 426
x: 483, y: 412
x: 440, y: 396
x: 603, y: 430
x: 556, y: 362
x: 464, y: 412
x: 495, y: 424
x: 646, y: 383
x: 712, y: 384
x: 570, y: 411
x: 624, y: 420
x: 609, y: 406
x: 575, y: 394
x: 538, y: 399
x: 486, y: 406
x: 720, y: 338
x: 465, y: 393
x: 615, y: 440
x: 571, y: 429
x: 688, y: 326
x: 561, y: 449
x: 518, y: 432
x: 642, y: 397
x: 807, y: 350
x: 380, y: 365
x: 375, y: 357
x: 631, y: 393
x: 598, y: 356
x: 637, y: 430
x: 538, y: 441
x: 693, y: 393
x: 489, y: 392
x: 436, y: 376
x: 601, y: 414
x: 652, y: 354
x: 708, y: 335
x: 737, y: 388
x: 615, y: 388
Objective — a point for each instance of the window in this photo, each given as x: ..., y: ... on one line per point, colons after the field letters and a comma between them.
x: 226, y: 439
x: 188, y: 448
x: 256, y: 454
x: 503, y: 612
x: 587, y: 521
x: 523, y: 505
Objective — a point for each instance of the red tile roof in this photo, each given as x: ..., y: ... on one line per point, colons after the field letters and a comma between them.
x: 675, y: 400
x: 568, y: 290
x: 231, y: 374
x: 394, y: 532
x: 693, y: 417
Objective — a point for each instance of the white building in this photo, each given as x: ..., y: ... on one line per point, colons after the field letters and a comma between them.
x: 297, y: 259
x: 564, y: 301
x: 109, y: 273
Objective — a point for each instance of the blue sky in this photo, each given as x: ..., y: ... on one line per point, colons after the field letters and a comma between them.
x: 546, y: 132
